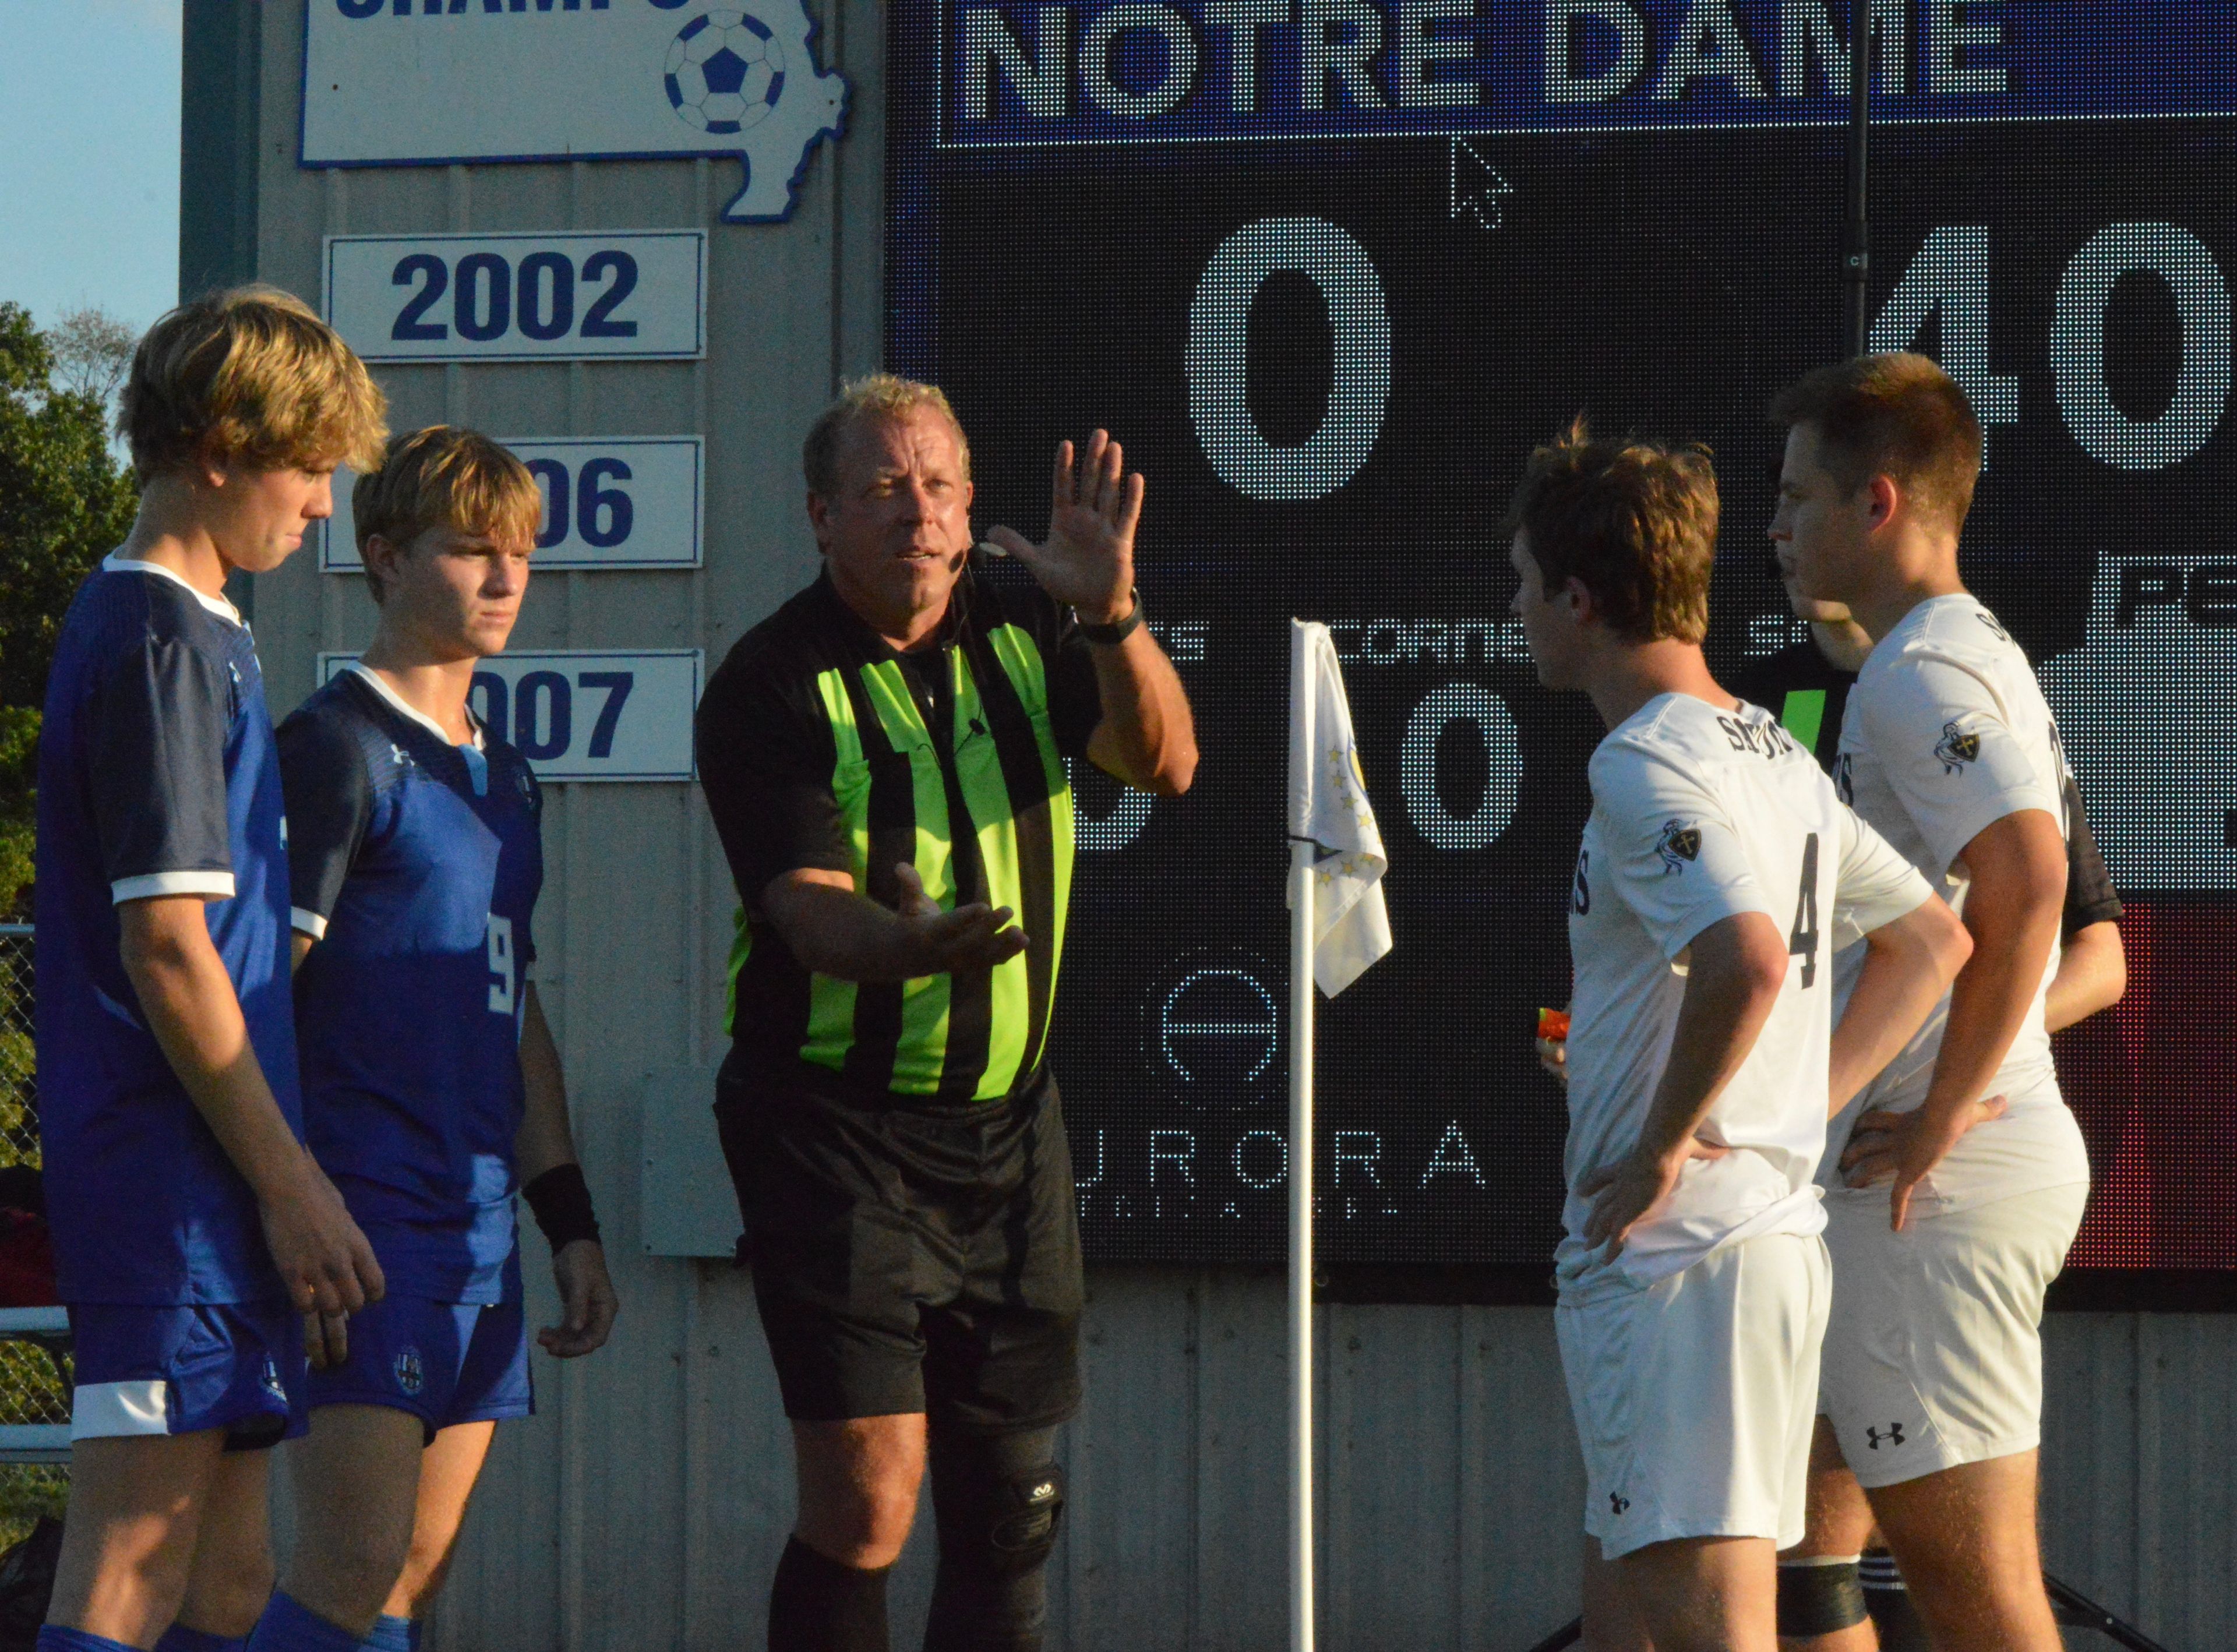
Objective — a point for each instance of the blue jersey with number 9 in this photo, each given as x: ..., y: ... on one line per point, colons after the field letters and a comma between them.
x: 415, y: 866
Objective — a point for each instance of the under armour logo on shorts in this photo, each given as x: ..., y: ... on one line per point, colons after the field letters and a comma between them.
x: 1893, y: 1435
x: 1617, y: 1502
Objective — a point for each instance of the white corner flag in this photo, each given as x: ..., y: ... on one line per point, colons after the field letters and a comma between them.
x: 1328, y: 809
x: 1338, y: 927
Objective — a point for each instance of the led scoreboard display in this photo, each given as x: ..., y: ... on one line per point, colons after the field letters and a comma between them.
x: 1331, y: 268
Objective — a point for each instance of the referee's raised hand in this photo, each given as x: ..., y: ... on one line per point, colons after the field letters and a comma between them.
x: 1095, y: 505
x: 976, y: 936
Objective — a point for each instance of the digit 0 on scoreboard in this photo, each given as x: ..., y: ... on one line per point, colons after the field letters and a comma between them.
x: 635, y: 295
x: 587, y: 714
x: 609, y: 502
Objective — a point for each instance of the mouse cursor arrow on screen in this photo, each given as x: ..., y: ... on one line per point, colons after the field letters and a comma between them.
x: 1478, y: 190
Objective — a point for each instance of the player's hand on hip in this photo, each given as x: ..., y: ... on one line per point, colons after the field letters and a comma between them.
x: 1626, y: 1191
x: 1900, y: 1148
x: 1095, y: 505
x: 587, y: 1303
x: 976, y: 936
x: 323, y: 1257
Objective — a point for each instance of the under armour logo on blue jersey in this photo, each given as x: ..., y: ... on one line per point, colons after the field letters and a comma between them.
x: 410, y: 1374
x: 1956, y: 749
x: 1680, y: 842
x: 1892, y: 1435
x: 403, y: 758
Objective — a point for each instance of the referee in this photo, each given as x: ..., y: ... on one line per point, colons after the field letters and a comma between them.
x: 885, y: 759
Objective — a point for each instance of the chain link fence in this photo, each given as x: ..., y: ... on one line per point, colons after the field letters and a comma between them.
x: 33, y: 1377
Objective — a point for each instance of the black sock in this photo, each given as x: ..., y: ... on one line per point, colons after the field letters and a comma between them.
x: 1894, y: 1618
x: 818, y: 1605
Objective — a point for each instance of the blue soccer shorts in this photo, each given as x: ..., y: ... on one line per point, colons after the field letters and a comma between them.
x: 156, y: 1370
x: 445, y: 1362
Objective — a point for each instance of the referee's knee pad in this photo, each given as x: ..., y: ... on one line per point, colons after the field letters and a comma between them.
x: 997, y: 1503
x: 1819, y: 1595
x: 1007, y: 1525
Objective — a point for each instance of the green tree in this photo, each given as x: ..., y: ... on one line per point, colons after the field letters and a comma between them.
x: 93, y: 352
x: 65, y: 502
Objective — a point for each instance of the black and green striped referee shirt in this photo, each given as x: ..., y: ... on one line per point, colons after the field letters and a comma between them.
x: 820, y: 746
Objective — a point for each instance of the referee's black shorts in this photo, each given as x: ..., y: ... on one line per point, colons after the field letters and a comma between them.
x: 920, y: 1259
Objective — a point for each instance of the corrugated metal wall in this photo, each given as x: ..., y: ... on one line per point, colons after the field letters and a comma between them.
x: 645, y: 1506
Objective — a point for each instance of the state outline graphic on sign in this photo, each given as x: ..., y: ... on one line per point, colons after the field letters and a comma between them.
x: 497, y: 85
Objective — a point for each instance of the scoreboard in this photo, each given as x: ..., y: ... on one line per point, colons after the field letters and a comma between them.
x: 1331, y: 268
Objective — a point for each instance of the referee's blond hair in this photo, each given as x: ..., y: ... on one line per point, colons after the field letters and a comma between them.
x: 882, y: 397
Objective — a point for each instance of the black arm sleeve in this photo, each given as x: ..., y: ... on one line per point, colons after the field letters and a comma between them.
x: 2089, y: 894
x: 765, y: 763
x: 329, y: 806
x: 157, y: 744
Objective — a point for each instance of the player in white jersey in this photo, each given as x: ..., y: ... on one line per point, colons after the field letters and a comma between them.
x: 1702, y: 1058
x: 1956, y: 1183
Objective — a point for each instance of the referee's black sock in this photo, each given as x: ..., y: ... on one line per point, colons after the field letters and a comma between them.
x: 1893, y: 1616
x: 818, y: 1605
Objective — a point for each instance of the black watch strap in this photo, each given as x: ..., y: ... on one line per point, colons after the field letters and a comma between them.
x: 1118, y: 629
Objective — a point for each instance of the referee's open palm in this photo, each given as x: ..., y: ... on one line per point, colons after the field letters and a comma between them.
x: 1094, y: 508
x: 976, y: 936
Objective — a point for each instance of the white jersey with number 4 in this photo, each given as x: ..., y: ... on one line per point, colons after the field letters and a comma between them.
x: 1946, y: 733
x: 1700, y: 814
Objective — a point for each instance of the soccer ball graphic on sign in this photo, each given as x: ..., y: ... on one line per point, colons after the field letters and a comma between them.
x: 725, y: 72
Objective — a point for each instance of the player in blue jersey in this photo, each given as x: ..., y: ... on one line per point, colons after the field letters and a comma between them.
x: 432, y: 1087
x: 191, y: 1229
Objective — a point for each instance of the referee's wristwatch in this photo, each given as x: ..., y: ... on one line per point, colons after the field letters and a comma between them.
x: 1118, y: 629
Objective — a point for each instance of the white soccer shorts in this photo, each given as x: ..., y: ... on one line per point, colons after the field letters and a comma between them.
x: 1934, y: 1355
x: 1695, y: 1397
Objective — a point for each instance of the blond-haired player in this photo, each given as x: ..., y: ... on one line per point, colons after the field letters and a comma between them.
x: 191, y: 1228
x: 431, y: 1088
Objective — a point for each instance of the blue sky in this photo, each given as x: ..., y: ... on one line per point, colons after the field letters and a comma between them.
x: 90, y: 156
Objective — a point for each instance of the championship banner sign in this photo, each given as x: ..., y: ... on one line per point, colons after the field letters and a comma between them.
x: 424, y: 83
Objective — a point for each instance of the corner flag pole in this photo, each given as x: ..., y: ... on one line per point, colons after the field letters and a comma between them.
x: 1856, y: 254
x: 1301, y: 1155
